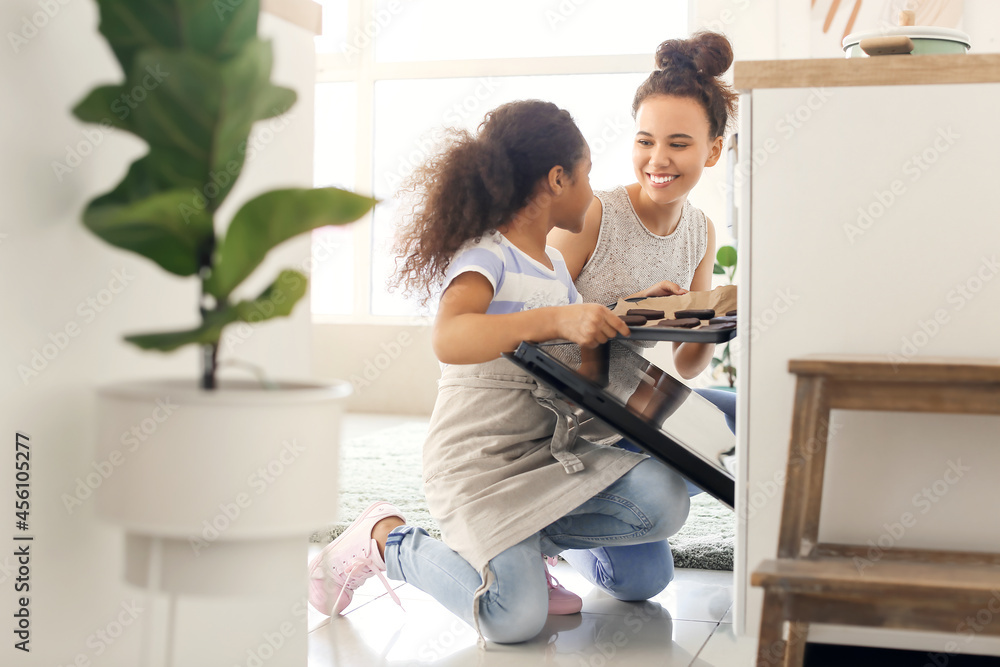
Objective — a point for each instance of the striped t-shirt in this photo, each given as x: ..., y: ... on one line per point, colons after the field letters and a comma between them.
x: 519, y: 282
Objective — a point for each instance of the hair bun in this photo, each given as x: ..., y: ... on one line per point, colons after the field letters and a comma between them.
x: 707, y: 53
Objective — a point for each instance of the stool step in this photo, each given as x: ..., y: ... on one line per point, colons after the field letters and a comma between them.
x: 943, y: 370
x: 856, y: 577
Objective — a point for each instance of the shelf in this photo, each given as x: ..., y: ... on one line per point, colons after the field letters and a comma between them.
x: 878, y: 71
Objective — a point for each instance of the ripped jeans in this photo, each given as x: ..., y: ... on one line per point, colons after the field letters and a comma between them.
x: 646, y: 505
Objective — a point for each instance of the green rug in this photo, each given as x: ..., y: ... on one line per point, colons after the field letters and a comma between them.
x: 386, y: 465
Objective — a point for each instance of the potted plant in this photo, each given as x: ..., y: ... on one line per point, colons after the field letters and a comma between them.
x: 194, y: 464
x: 723, y: 366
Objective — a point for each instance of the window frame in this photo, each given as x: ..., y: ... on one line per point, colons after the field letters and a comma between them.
x: 364, y: 71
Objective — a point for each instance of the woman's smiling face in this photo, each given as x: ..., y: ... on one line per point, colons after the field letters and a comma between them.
x: 672, y: 146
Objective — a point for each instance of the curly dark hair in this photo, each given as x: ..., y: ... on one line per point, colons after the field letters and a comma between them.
x: 477, y: 183
x: 692, y: 68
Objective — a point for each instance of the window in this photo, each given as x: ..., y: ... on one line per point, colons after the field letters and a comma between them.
x: 404, y: 69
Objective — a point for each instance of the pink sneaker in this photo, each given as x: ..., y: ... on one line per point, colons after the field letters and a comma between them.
x: 561, y: 601
x: 348, y: 561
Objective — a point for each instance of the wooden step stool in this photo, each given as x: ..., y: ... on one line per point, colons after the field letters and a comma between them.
x: 916, y: 589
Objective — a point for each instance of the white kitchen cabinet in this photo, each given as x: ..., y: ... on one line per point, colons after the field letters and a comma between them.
x: 869, y: 224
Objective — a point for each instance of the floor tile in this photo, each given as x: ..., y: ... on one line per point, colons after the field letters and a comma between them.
x: 728, y: 618
x: 381, y: 634
x: 725, y: 649
x: 693, y: 595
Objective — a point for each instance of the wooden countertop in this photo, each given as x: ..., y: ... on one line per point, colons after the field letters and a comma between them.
x: 877, y: 71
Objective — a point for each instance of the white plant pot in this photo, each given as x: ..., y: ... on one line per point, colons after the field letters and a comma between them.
x: 218, y: 492
x: 235, y: 463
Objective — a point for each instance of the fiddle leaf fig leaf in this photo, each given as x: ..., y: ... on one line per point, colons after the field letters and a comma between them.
x: 209, y: 332
x: 105, y: 105
x: 218, y: 28
x: 163, y: 228
x: 277, y: 300
x: 272, y: 218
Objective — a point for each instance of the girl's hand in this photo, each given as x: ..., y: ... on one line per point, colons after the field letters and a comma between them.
x: 663, y: 288
x: 588, y: 324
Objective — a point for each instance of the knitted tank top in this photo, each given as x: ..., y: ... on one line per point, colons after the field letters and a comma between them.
x: 629, y: 258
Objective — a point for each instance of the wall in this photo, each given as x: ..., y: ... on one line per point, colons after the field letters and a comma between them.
x: 392, y: 367
x: 50, y: 266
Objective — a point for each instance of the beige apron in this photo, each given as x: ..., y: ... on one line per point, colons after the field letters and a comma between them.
x: 503, y: 460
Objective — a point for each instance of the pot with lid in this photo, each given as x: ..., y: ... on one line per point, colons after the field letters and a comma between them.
x: 906, y: 38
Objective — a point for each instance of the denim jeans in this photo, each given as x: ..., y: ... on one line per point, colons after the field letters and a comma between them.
x: 647, y: 504
x: 622, y: 571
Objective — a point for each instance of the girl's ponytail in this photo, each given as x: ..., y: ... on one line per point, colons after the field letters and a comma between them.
x: 476, y: 184
x: 496, y: 173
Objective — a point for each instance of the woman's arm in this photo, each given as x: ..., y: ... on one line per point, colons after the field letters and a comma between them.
x: 576, y: 248
x: 690, y: 359
x: 465, y: 334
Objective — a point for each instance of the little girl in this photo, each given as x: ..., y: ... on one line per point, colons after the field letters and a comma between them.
x: 504, y: 473
x: 647, y: 239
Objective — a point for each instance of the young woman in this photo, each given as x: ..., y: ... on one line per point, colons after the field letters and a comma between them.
x: 647, y: 239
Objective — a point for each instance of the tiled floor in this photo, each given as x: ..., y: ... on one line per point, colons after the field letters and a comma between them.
x: 681, y: 627
x: 687, y: 625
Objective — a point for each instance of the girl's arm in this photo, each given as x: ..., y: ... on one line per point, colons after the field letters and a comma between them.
x: 576, y: 248
x: 690, y: 359
x: 465, y: 334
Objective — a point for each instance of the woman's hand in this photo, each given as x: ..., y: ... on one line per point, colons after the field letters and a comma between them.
x: 662, y: 288
x: 588, y: 324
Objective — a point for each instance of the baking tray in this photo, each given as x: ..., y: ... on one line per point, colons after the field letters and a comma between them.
x: 720, y: 299
x: 656, y: 333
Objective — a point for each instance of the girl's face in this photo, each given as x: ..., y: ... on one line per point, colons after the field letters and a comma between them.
x: 571, y: 206
x: 672, y: 147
